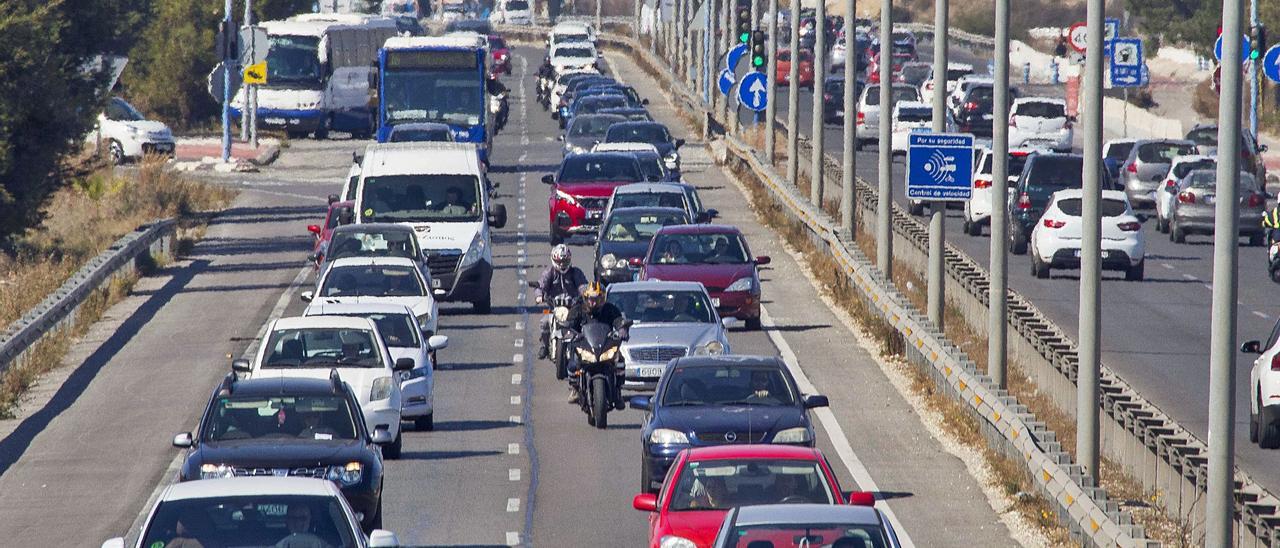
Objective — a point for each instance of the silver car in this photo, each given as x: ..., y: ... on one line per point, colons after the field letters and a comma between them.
x: 1146, y: 166
x: 670, y: 320
x: 1193, y: 211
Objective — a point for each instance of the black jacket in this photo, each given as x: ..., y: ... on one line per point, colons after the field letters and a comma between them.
x: 608, y: 313
x: 553, y: 283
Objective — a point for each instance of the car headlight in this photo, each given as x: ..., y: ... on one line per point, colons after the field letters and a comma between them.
x: 216, y: 471
x: 565, y: 196
x: 347, y: 475
x: 672, y: 541
x: 608, y: 261
x: 667, y: 436
x: 742, y: 284
x: 713, y: 348
x: 586, y: 355
x: 794, y: 435
x: 474, y: 253
x: 381, y: 389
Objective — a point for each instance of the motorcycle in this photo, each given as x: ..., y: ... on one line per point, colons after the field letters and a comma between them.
x: 1273, y: 264
x: 557, y: 344
x: 597, y: 355
x: 500, y: 109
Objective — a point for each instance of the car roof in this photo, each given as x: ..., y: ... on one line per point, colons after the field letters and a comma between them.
x: 261, y: 485
x: 283, y: 386
x: 374, y: 228
x: 634, y: 123
x: 699, y: 229
x: 453, y: 40
x: 650, y: 188
x: 1141, y: 142
x: 651, y: 285
x: 753, y: 451
x: 320, y: 308
x: 1022, y: 100
x: 1079, y: 193
x: 428, y: 158
x: 595, y: 115
x: 315, y: 322
x: 375, y: 261
x: 599, y: 156
x: 625, y: 147
x: 799, y: 514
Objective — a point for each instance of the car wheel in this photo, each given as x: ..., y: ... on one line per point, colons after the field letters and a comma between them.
x: 376, y: 522
x: 1253, y: 423
x: 425, y: 423
x: 1136, y: 272
x: 1268, y: 437
x: 1038, y: 268
x: 1017, y: 245
x: 1256, y: 240
x: 646, y: 478
x: 484, y: 305
x: 556, y: 239
x: 116, y: 152
x: 393, y: 451
x: 753, y: 324
x: 1176, y: 234
x: 600, y: 403
x: 972, y: 229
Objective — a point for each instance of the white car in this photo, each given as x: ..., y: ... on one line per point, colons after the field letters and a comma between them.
x: 562, y: 83
x: 955, y: 71
x: 1264, y: 390
x: 867, y: 127
x: 514, y: 12
x: 128, y: 134
x: 977, y: 210
x: 224, y: 512
x: 1167, y: 191
x: 400, y: 333
x: 394, y: 280
x: 574, y: 56
x: 1056, y: 239
x: 909, y: 117
x: 312, y: 347
x: 1040, y: 122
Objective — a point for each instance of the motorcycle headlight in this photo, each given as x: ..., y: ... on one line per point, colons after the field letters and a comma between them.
x: 794, y: 435
x: 216, y: 471
x: 474, y: 253
x: 586, y: 355
x: 672, y: 541
x: 561, y: 313
x: 713, y: 348
x: 742, y: 284
x: 347, y: 475
x: 609, y: 354
x: 608, y: 261
x: 667, y: 436
x: 565, y: 196
x: 381, y: 389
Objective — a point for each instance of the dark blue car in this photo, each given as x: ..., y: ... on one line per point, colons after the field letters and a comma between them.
x: 719, y: 400
x: 653, y: 133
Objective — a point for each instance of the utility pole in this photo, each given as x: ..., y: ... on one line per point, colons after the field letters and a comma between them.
x: 849, y: 170
x: 793, y: 98
x: 771, y: 109
x: 818, y: 133
x: 1253, y: 68
x: 250, y: 111
x: 1220, y: 506
x: 226, y: 82
x: 938, y: 223
x: 599, y: 18
x: 730, y: 106
x: 1090, y: 250
x: 884, y: 202
x: 997, y: 324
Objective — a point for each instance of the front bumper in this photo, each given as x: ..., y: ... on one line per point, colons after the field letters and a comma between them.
x: 1202, y: 221
x: 289, y: 120
x: 742, y: 305
x: 659, y: 458
x: 382, y: 413
x: 364, y: 498
x: 467, y: 285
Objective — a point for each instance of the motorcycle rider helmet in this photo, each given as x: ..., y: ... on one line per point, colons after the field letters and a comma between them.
x: 593, y: 296
x: 561, y: 257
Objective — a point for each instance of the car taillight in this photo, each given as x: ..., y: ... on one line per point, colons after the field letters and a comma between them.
x: 1170, y: 185
x: 1186, y: 197
x: 971, y: 105
x: 1024, y: 201
x: 981, y: 183
x: 1255, y: 200
x: 1131, y: 168
x: 1275, y: 362
x: 1130, y: 226
x: 826, y: 96
x: 862, y: 118
x: 1053, y: 223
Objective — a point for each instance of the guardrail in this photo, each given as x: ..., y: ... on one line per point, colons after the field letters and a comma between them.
x: 58, y: 309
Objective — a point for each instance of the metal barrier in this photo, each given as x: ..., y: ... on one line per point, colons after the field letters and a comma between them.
x: 58, y: 309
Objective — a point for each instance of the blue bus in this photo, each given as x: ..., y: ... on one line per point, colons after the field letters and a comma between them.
x: 436, y: 79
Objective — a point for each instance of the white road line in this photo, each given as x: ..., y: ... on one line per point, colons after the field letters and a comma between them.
x: 513, y: 505
x: 1167, y: 265
x: 513, y: 474
x: 515, y: 400
x: 513, y: 449
x: 519, y: 326
x: 513, y: 538
x: 515, y: 419
x: 833, y: 428
x: 1259, y: 314
x: 517, y: 358
x: 519, y: 343
x: 1188, y: 276
x: 516, y: 378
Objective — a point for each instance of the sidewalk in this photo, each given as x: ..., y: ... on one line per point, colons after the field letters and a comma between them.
x: 197, y: 149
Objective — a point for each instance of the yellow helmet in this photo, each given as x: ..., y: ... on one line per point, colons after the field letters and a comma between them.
x: 593, y: 296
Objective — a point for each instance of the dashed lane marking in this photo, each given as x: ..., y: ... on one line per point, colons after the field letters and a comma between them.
x: 1167, y: 265
x: 513, y: 538
x: 513, y: 474
x: 513, y: 505
x: 519, y: 343
x: 517, y: 358
x: 515, y: 419
x: 513, y: 449
x: 516, y: 378
x: 515, y: 400
x: 1188, y: 276
x: 1259, y: 314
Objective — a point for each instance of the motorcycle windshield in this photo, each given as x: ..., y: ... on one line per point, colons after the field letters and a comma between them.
x: 596, y: 335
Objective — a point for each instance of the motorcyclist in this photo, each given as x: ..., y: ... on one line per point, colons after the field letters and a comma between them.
x: 594, y: 308
x: 1271, y: 223
x: 561, y: 278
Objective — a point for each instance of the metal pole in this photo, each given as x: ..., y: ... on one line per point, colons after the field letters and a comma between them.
x: 730, y: 108
x: 938, y: 223
x: 599, y: 18
x: 818, y: 133
x: 884, y: 199
x: 1222, y: 331
x: 997, y: 325
x: 246, y: 105
x: 771, y: 109
x: 849, y: 170
x: 253, y: 90
x: 635, y: 25
x: 1090, y: 251
x: 793, y: 99
x: 1253, y: 71
x: 707, y: 31
x: 226, y: 86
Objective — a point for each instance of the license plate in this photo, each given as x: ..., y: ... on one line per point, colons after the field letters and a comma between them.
x: 1077, y: 252
x: 715, y: 301
x: 650, y: 372
x: 594, y: 215
x: 435, y: 284
x: 276, y: 121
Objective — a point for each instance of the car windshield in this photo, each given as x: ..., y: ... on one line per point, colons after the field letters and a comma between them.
x: 649, y: 199
x: 633, y: 226
x: 294, y: 61
x: 572, y: 37
x: 322, y: 347
x: 725, y: 484
x: 1163, y: 153
x: 807, y: 535
x: 1108, y: 208
x: 652, y: 166
x: 118, y: 109
x: 318, y: 417
x: 372, y: 281
x: 359, y: 243
x: 517, y: 5
x: 1205, y: 136
x: 900, y: 94
x: 724, y: 248
x: 1051, y: 174
x: 1038, y: 109
x: 574, y: 52
x: 663, y: 306
x: 442, y: 135
x: 585, y: 168
x: 728, y: 385
x: 915, y: 115
x: 1016, y: 163
x: 592, y: 125
x: 398, y: 330
x: 251, y: 520
x: 421, y: 198
x: 595, y: 103
x: 1181, y: 169
x: 638, y: 133
x: 1119, y: 151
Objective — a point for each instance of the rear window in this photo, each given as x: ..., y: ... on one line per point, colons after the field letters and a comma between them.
x: 1163, y: 153
x: 1205, y: 136
x: 1181, y: 170
x: 900, y: 94
x: 1207, y: 178
x: 1049, y: 175
x: 584, y: 168
x: 1119, y: 151
x: 517, y: 5
x: 1016, y: 163
x: 1108, y: 208
x: 982, y: 94
x: 1041, y: 110
x: 915, y: 115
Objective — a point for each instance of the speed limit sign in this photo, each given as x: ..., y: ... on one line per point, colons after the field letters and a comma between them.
x: 1078, y: 36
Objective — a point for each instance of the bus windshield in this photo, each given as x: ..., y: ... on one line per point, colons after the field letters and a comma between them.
x: 451, y: 95
x: 294, y: 62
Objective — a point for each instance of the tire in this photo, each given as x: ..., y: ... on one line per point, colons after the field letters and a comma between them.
x: 1253, y: 423
x: 115, y: 153
x: 376, y: 522
x: 1275, y: 274
x: 1176, y: 234
x: 646, y: 478
x: 1017, y: 245
x: 1268, y: 434
x: 1257, y: 240
x: 1137, y: 272
x: 562, y: 366
x: 915, y: 209
x: 1162, y: 225
x: 484, y: 305
x: 972, y: 229
x: 1038, y: 268
x: 753, y: 324
x: 393, y: 451
x: 425, y: 423
x: 600, y: 403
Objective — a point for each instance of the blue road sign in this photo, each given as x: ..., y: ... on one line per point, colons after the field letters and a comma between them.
x: 940, y: 166
x: 1126, y: 62
x: 1111, y: 31
x: 753, y: 92
x: 726, y: 80
x: 1244, y: 49
x: 734, y: 55
x: 1271, y: 64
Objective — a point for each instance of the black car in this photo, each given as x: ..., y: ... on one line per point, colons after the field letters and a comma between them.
x: 833, y: 98
x: 653, y: 133
x: 633, y: 98
x: 704, y: 401
x: 1043, y: 175
x: 973, y: 114
x: 290, y: 427
x: 626, y: 234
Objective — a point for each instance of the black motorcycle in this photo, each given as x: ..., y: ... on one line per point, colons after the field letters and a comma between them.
x: 596, y: 370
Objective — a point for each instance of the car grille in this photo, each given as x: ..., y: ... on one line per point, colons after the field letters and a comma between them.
x: 730, y: 437
x: 311, y: 472
x: 443, y: 263
x: 593, y: 203
x: 661, y: 354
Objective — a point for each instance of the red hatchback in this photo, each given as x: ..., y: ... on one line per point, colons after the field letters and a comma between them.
x: 704, y: 483
x: 340, y: 213
x: 715, y: 255
x: 805, y: 74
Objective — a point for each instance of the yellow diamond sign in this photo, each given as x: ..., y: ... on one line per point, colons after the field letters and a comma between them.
x: 256, y: 73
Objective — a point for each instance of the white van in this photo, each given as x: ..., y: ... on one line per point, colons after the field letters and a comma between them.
x: 442, y: 191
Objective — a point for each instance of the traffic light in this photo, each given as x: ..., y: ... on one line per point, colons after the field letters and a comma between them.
x: 1259, y: 42
x: 757, y: 49
x: 742, y: 20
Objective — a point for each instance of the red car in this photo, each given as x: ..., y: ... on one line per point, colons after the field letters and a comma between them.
x: 806, y: 68
x: 715, y: 255
x: 501, y: 55
x: 340, y: 213
x: 704, y: 483
x: 582, y: 188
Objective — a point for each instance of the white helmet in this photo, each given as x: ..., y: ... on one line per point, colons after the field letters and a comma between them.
x: 561, y: 257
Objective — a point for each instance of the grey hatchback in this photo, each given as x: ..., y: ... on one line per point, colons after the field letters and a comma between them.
x: 1193, y: 212
x: 1146, y: 166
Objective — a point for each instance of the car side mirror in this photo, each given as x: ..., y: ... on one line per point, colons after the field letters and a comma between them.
x: 862, y: 498
x: 404, y: 364
x: 314, y: 229
x: 438, y: 342
x: 241, y: 366
x: 183, y: 440
x: 314, y: 257
x: 644, y: 101
x: 1251, y: 347
x: 713, y: 213
x: 306, y: 296
x: 640, y: 402
x: 679, y: 143
x: 549, y: 179
x: 381, y: 538
x: 645, y: 502
x: 381, y: 436
x: 117, y: 542
x: 1263, y: 148
x: 815, y: 400
x: 730, y: 322
x: 498, y: 216
x: 763, y: 260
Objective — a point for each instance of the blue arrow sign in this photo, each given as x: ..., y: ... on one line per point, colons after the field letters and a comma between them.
x: 1126, y: 62
x: 1271, y: 64
x: 725, y: 81
x: 753, y: 92
x: 940, y: 166
x: 734, y: 55
x: 1244, y: 49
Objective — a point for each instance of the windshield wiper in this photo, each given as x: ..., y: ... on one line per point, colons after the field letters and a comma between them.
x: 684, y: 404
x: 749, y: 402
